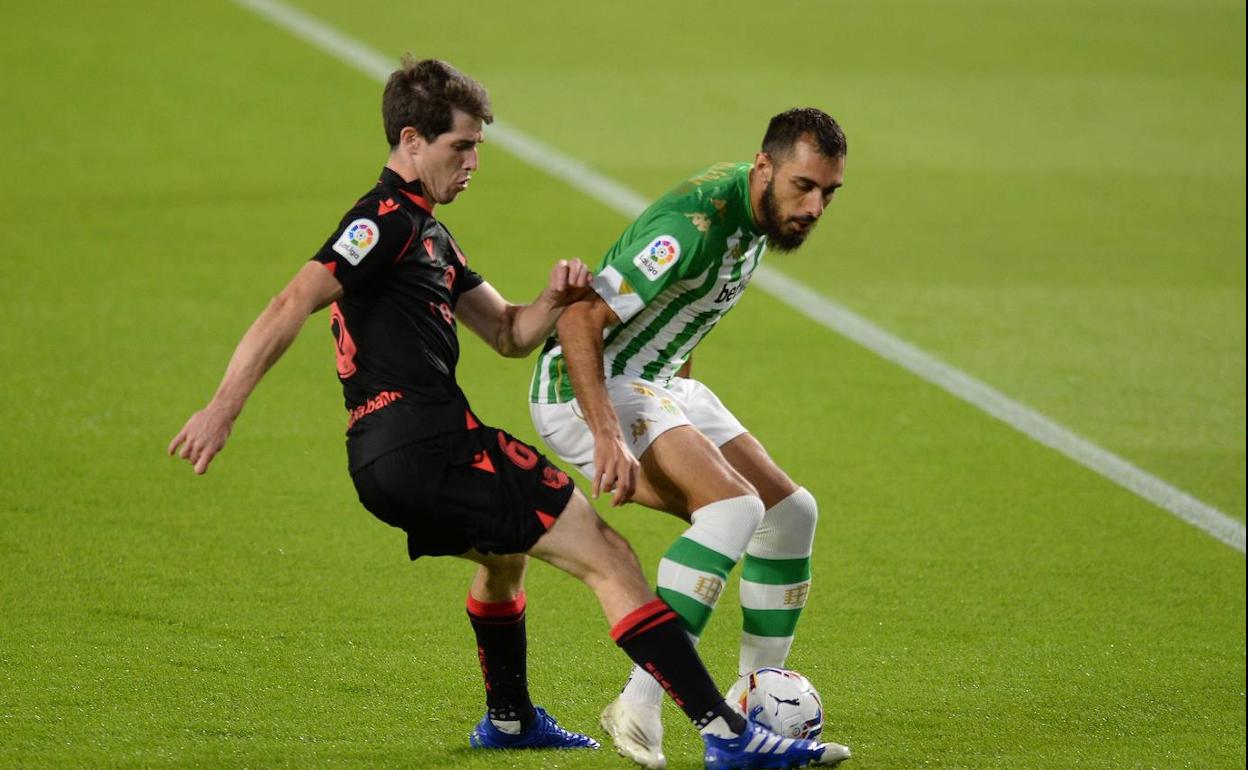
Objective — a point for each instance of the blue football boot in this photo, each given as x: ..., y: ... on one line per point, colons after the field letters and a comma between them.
x: 759, y: 748
x: 544, y: 733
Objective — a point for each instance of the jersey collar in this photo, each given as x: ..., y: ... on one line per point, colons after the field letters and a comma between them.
x: 412, y: 190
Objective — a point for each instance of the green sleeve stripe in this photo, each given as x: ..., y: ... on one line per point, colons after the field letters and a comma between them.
x: 697, y: 556
x: 693, y: 614
x: 769, y: 622
x: 776, y: 572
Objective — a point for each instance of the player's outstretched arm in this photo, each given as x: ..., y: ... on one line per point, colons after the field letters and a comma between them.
x: 516, y: 330
x: 580, y: 334
x: 204, y: 434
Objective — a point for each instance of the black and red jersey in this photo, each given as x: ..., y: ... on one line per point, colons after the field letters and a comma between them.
x: 394, y: 328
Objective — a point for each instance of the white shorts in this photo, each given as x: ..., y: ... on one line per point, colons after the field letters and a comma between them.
x: 646, y: 411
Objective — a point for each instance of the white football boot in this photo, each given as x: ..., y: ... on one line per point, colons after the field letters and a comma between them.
x: 636, y: 729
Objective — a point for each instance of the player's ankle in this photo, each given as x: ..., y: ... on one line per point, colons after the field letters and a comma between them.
x: 722, y: 722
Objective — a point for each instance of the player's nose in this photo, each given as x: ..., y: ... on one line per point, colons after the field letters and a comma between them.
x: 814, y: 204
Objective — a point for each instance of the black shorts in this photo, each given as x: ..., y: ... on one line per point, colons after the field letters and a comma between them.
x: 479, y: 488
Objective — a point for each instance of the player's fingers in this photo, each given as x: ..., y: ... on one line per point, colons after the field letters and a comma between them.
x: 583, y: 274
x: 620, y: 495
x: 608, y: 477
x: 202, y: 464
x: 559, y: 275
x: 628, y: 483
x: 618, y: 473
x: 177, y: 441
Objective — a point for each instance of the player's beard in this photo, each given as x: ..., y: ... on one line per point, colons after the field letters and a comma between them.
x: 777, y: 238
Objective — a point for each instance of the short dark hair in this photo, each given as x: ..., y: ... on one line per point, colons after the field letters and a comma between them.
x: 789, y: 126
x: 421, y: 94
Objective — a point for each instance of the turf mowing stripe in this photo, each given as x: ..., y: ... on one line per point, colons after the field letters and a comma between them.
x: 806, y: 301
x: 1018, y: 416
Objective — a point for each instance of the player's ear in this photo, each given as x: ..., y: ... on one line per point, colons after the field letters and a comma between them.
x: 411, y: 140
x: 764, y: 166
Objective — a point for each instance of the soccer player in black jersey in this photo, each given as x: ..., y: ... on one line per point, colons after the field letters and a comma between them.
x: 396, y: 282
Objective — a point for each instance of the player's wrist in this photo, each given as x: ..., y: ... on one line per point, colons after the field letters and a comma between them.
x: 607, y: 433
x: 224, y: 409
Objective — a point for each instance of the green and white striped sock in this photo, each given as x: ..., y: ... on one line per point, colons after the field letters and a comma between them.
x: 775, y: 581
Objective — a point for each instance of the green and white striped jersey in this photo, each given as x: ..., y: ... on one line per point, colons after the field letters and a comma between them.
x: 670, y: 278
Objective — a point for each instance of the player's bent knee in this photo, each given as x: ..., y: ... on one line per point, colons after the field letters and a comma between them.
x: 802, y: 511
x: 502, y: 570
x: 788, y: 528
x: 741, y: 513
x: 506, y: 564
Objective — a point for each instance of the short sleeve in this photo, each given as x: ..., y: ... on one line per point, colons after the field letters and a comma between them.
x: 364, y: 245
x: 651, y: 259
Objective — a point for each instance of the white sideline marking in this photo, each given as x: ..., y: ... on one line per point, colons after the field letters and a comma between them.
x: 801, y: 298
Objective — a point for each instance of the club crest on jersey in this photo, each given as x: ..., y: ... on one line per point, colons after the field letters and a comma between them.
x: 658, y: 257
x: 357, y: 240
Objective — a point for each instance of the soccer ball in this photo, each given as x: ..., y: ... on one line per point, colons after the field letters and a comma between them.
x: 782, y: 701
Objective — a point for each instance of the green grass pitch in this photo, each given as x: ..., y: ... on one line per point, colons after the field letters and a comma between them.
x: 1049, y: 195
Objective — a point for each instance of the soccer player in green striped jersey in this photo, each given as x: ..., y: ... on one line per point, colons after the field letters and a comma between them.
x: 612, y: 395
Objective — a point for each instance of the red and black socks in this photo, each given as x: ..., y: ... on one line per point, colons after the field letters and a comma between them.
x: 656, y: 641
x: 502, y: 650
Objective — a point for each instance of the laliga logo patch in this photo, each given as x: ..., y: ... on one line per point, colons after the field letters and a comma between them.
x: 357, y: 240
x: 657, y: 258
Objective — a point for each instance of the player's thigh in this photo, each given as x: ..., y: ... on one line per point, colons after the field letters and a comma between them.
x: 586, y: 547
x: 682, y: 470
x: 748, y: 456
x: 742, y: 451
x: 583, y: 545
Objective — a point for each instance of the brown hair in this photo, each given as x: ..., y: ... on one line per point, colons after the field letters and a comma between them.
x: 421, y: 94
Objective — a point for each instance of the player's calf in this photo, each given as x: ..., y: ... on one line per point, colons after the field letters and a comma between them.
x: 775, y: 581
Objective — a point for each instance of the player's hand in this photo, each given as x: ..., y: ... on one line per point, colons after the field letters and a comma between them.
x: 615, y: 469
x: 202, y: 437
x: 569, y: 282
